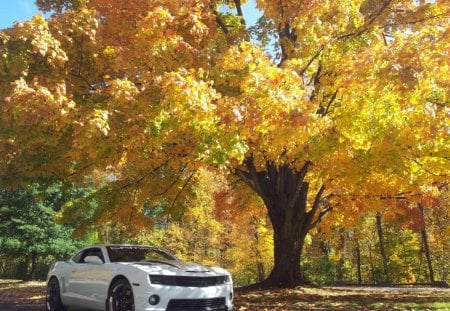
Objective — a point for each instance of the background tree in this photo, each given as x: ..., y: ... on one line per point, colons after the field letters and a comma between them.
x: 384, y: 257
x: 219, y: 226
x: 438, y: 226
x: 29, y: 237
x: 402, y: 232
x: 353, y: 108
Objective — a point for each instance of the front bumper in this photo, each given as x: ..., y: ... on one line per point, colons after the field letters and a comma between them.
x: 212, y: 298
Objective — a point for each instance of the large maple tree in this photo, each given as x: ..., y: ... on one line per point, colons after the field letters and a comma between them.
x: 321, y: 105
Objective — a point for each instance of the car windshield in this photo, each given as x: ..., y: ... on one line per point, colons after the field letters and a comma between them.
x: 121, y: 253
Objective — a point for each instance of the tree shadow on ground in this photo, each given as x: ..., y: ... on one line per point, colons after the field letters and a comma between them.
x: 344, y: 299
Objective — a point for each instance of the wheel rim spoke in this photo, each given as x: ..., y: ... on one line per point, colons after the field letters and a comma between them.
x: 52, y: 296
x: 122, y: 299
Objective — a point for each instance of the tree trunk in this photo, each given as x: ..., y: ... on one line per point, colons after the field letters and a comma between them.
x: 287, y: 254
x: 284, y: 193
x: 426, y: 246
x: 259, y: 264
x: 33, y: 265
x: 382, y: 249
x: 358, y: 261
x: 25, y: 274
x: 261, y: 272
x: 423, y: 233
x: 372, y: 267
x: 341, y: 262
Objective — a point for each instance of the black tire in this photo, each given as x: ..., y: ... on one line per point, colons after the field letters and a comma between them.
x: 53, y: 298
x: 120, y: 296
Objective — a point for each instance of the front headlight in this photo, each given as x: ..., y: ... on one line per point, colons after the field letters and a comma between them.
x: 163, y: 279
x: 227, y: 279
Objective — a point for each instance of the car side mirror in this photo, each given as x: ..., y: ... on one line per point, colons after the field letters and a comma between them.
x: 93, y: 260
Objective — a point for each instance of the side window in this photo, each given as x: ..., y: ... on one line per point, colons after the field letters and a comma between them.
x: 99, y: 254
x: 79, y: 258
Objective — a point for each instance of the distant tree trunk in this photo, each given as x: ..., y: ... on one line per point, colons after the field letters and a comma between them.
x: 340, y: 266
x: 358, y: 261
x: 259, y: 264
x: 284, y: 193
x: 261, y: 272
x: 33, y: 265
x: 324, y: 248
x: 382, y: 248
x: 372, y: 267
x: 426, y: 246
x: 3, y: 269
x: 107, y: 235
x: 25, y: 276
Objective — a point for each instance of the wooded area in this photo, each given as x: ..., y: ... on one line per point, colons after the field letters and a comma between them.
x: 309, y: 147
x: 240, y: 240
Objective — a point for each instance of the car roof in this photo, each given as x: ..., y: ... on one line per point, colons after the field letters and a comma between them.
x: 122, y: 244
x: 105, y: 245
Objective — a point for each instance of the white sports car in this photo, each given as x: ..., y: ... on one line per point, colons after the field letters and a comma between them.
x: 136, y: 278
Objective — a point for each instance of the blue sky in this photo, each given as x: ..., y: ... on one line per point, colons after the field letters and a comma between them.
x: 21, y: 10
x: 16, y: 10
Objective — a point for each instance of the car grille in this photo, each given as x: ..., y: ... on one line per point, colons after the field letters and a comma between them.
x: 213, y: 304
x: 188, y: 281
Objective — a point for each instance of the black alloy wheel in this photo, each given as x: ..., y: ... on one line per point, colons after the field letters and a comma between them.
x: 53, y: 298
x: 120, y: 297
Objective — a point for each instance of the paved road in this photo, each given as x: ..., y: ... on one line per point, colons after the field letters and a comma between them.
x: 30, y: 307
x: 13, y: 307
x: 21, y: 307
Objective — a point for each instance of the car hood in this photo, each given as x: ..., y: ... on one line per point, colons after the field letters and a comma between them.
x: 177, y: 268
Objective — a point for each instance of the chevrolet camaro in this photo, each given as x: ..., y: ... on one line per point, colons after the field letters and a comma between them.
x: 136, y: 278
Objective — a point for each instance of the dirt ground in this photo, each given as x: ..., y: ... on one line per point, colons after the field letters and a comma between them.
x: 30, y: 296
x: 23, y: 296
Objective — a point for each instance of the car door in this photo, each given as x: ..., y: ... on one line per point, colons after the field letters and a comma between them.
x: 88, y: 282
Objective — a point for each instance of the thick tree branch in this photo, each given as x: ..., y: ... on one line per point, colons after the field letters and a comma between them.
x: 172, y: 183
x: 324, y: 111
x: 181, y: 190
x: 397, y: 196
x: 317, y: 54
x: 320, y: 217
x: 256, y: 180
x: 318, y: 199
x: 253, y: 179
x: 79, y: 76
x: 369, y: 23
x: 427, y: 170
x: 83, y: 168
x: 417, y: 21
x: 240, y: 13
x: 281, y: 182
x: 138, y: 181
x: 300, y: 178
x: 220, y: 22
x: 315, y: 80
x: 80, y: 64
x: 245, y: 177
